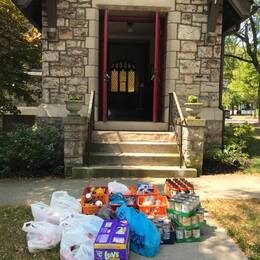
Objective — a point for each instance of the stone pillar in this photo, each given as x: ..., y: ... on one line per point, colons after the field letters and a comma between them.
x: 193, y: 143
x: 75, y: 136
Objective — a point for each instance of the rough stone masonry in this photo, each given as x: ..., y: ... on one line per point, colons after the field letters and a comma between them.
x: 193, y: 57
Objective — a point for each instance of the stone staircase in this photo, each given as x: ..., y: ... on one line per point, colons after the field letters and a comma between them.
x: 133, y: 154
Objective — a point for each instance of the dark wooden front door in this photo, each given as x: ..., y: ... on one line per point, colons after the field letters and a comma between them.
x: 129, y: 85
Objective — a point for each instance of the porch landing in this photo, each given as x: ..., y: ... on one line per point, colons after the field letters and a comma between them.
x: 131, y: 126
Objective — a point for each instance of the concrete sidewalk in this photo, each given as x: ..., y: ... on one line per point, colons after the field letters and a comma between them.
x: 232, y: 186
x: 216, y: 245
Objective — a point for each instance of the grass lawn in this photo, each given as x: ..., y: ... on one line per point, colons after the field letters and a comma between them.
x: 254, y: 151
x: 13, y: 239
x: 241, y: 219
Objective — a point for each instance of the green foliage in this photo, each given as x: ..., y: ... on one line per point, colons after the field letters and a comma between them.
x: 31, y: 151
x: 192, y: 99
x: 75, y: 97
x: 241, y: 135
x: 235, y: 155
x: 19, y: 52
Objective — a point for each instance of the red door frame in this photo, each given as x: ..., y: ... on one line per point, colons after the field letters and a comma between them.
x: 156, y: 67
x: 104, y: 66
x: 106, y: 19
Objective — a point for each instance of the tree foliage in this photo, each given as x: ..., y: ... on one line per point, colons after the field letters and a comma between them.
x: 242, y: 63
x: 19, y: 52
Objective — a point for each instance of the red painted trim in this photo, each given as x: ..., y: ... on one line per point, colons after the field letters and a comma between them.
x: 156, y: 66
x: 134, y: 19
x: 104, y: 66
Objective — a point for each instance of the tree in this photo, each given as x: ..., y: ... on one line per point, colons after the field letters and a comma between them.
x: 247, y: 39
x: 19, y: 52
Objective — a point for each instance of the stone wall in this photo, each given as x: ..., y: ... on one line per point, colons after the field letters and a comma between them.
x: 193, y: 58
x: 70, y: 58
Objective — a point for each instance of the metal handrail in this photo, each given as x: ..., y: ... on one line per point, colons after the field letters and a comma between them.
x: 90, y: 125
x: 176, y: 123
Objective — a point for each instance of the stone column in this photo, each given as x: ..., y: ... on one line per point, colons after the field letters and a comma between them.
x: 75, y: 136
x: 193, y: 143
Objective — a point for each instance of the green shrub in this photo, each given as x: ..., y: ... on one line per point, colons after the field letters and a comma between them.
x: 35, y: 151
x: 242, y: 135
x: 235, y: 155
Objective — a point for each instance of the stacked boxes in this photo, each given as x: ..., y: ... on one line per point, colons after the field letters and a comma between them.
x: 187, y: 215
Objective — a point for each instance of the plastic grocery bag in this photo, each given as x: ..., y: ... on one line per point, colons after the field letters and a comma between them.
x: 90, y: 224
x: 78, y: 236
x: 41, y: 235
x: 144, y: 236
x: 116, y: 187
x: 43, y: 212
x: 62, y: 200
x: 75, y: 245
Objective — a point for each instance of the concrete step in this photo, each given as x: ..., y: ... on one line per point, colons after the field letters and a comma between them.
x: 131, y: 126
x: 134, y: 147
x: 150, y: 159
x: 133, y: 171
x: 126, y: 136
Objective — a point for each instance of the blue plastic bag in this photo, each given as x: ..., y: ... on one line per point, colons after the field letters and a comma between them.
x: 144, y: 236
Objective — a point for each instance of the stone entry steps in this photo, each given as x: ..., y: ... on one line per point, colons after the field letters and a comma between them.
x: 132, y: 136
x: 133, y: 154
x: 114, y: 171
x: 134, y: 147
x: 151, y: 159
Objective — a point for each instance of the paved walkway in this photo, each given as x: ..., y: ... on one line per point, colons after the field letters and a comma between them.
x: 216, y: 245
x: 230, y: 186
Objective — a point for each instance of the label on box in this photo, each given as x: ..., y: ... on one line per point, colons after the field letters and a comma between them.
x: 112, y: 241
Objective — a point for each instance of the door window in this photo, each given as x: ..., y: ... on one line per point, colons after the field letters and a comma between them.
x: 123, y: 77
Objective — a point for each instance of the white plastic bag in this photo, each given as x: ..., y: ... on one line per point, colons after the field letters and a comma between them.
x: 90, y: 224
x: 75, y: 245
x: 43, y: 212
x: 41, y: 235
x: 114, y: 187
x: 79, y: 233
x: 62, y: 200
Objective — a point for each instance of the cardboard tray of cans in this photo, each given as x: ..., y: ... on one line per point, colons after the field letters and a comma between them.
x: 190, y: 227
x: 184, y: 214
x: 173, y: 186
x: 187, y: 236
x: 184, y: 205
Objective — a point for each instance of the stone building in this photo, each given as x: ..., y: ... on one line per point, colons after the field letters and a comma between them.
x: 133, y: 54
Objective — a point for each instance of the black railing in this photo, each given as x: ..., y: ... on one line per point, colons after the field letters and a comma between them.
x: 90, y: 127
x: 176, y: 123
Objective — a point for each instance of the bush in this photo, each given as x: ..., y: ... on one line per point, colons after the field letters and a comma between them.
x: 242, y: 135
x: 31, y: 151
x: 235, y: 155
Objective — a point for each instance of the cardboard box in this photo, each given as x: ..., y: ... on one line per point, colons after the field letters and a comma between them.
x: 112, y: 242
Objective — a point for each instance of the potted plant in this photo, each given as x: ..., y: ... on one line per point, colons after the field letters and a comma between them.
x: 192, y: 106
x: 74, y: 103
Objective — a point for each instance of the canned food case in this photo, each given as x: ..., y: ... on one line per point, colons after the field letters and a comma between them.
x: 188, y: 240
x: 184, y: 214
x: 190, y: 227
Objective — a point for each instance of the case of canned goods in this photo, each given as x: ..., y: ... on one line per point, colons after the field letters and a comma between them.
x: 174, y: 186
